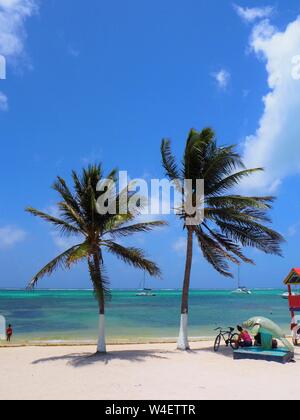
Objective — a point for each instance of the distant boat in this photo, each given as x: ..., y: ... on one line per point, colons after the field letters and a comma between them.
x: 144, y: 291
x: 286, y: 295
x: 241, y: 290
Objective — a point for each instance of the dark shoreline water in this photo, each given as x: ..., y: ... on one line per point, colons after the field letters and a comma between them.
x: 72, y: 315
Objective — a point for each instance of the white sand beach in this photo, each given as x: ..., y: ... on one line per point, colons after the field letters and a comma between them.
x: 152, y: 371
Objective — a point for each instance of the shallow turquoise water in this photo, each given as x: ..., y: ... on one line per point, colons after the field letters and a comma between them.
x: 73, y: 315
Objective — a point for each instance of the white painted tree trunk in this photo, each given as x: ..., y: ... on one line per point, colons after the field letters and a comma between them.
x: 183, y: 340
x: 101, y: 348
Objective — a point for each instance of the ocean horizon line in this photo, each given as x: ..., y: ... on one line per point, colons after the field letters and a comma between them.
x: 7, y: 289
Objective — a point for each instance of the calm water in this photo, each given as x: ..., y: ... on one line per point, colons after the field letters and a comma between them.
x: 73, y: 315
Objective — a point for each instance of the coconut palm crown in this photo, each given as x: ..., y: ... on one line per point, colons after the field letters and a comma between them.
x: 230, y: 221
x: 78, y: 216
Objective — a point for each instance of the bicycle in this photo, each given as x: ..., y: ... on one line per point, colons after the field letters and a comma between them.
x: 228, y: 337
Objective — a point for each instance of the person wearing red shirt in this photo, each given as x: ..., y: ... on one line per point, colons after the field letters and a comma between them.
x: 9, y: 333
x: 244, y: 339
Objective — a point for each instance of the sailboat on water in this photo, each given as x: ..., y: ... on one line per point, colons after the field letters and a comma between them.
x: 144, y: 292
x: 241, y: 290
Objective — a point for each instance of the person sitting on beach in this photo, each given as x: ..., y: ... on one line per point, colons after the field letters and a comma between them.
x: 9, y: 333
x: 244, y: 339
x: 258, y: 342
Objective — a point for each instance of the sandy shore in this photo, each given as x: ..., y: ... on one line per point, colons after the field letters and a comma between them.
x: 141, y: 372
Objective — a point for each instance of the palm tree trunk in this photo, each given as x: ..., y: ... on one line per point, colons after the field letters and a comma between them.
x: 101, y: 347
x: 95, y: 272
x: 183, y: 341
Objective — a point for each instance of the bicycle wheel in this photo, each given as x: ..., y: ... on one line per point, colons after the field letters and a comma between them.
x: 233, y: 342
x: 217, y: 343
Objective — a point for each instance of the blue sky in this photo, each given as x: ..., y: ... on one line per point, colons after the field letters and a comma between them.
x: 106, y: 81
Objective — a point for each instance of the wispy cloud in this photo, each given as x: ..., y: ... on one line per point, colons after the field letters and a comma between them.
x: 53, y: 210
x: 13, y: 14
x: 73, y: 52
x: 276, y: 144
x: 293, y: 230
x: 180, y: 246
x: 92, y: 158
x: 10, y: 236
x: 64, y: 243
x: 3, y: 102
x: 222, y: 77
x: 251, y: 14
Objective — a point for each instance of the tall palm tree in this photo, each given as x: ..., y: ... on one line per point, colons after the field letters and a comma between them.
x: 78, y: 216
x: 230, y: 221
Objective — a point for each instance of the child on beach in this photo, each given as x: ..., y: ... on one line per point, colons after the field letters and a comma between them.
x: 9, y: 333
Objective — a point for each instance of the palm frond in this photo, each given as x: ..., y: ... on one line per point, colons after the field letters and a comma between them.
x: 61, y: 261
x: 65, y: 227
x: 72, y: 216
x: 91, y: 176
x: 135, y: 228
x: 230, y: 181
x: 255, y: 236
x: 80, y: 253
x: 116, y: 222
x: 240, y: 216
x: 133, y: 256
x: 169, y: 162
x: 79, y: 188
x: 61, y: 187
x: 214, y: 253
x: 240, y: 202
x: 221, y: 162
x: 229, y: 245
x: 195, y: 153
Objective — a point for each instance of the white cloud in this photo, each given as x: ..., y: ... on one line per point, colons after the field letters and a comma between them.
x: 64, y: 243
x: 276, y: 143
x: 222, y: 77
x: 13, y: 14
x: 293, y: 230
x: 53, y: 211
x: 10, y: 236
x: 73, y: 52
x: 250, y: 14
x: 91, y: 158
x: 3, y: 102
x: 180, y: 246
x: 61, y: 242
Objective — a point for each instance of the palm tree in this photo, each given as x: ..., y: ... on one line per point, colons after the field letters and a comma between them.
x: 78, y: 216
x: 230, y: 221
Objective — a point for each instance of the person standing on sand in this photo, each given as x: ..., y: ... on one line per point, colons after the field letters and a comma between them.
x: 9, y: 333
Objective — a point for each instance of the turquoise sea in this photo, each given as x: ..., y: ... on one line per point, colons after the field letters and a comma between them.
x: 73, y: 315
